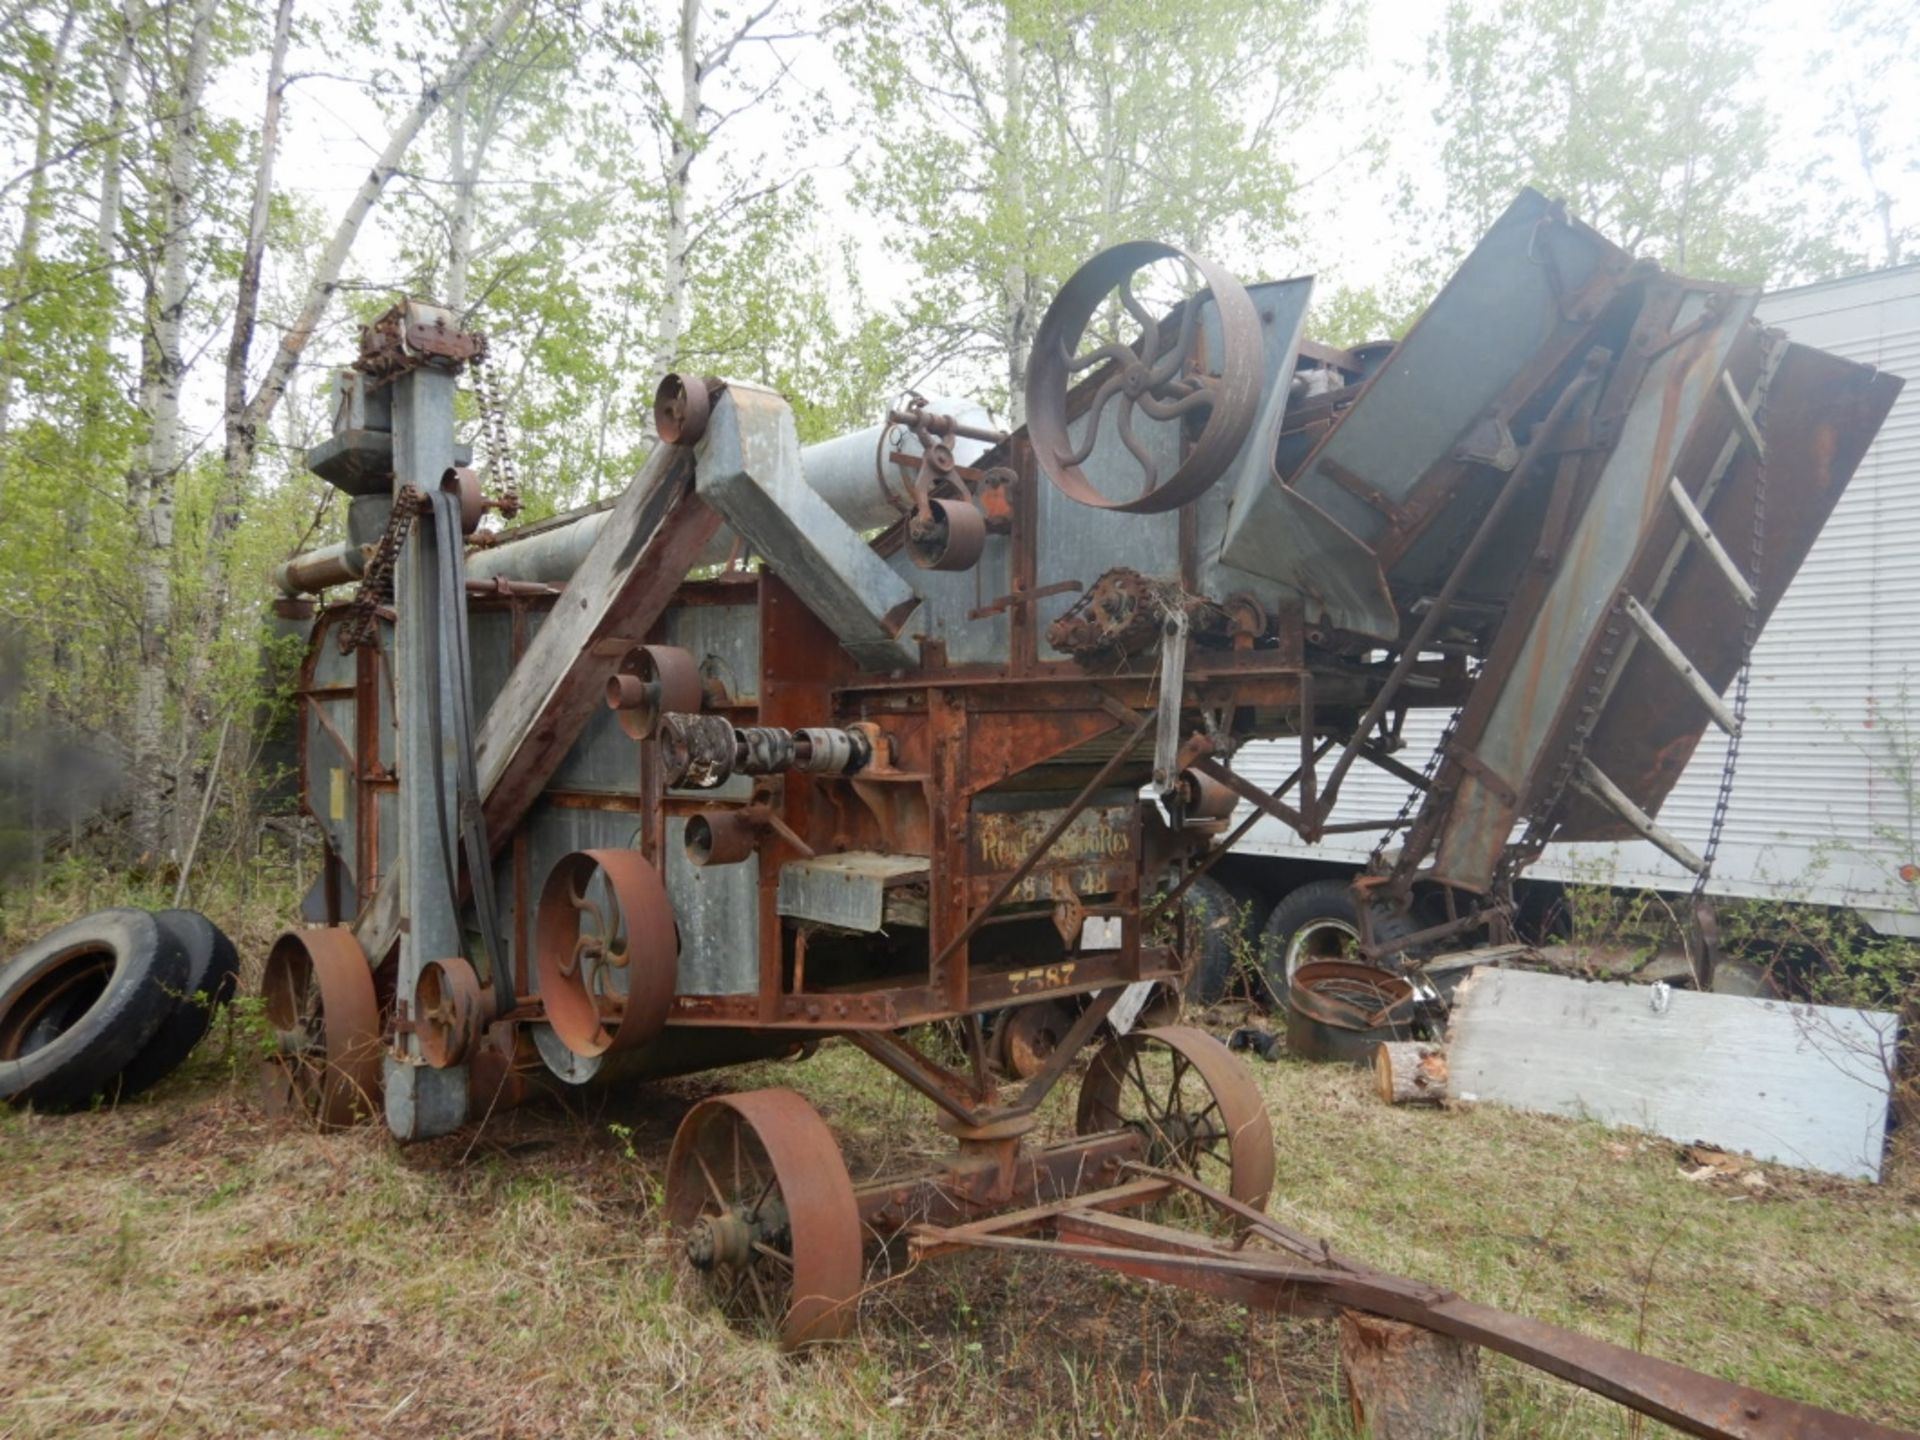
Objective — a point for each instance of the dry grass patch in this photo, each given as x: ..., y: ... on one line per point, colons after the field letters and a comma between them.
x: 182, y: 1267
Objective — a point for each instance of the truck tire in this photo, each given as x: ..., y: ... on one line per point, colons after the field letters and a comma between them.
x: 78, y: 1005
x: 1315, y: 921
x: 1217, y: 933
x: 213, y: 970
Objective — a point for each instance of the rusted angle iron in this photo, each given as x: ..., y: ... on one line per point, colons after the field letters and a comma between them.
x: 1311, y: 1279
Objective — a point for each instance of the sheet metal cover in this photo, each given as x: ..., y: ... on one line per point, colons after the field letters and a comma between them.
x: 846, y: 890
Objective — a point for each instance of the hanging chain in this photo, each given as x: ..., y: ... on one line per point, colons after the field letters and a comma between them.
x: 1415, y: 794
x: 501, y: 473
x: 376, y: 578
x: 1750, y: 635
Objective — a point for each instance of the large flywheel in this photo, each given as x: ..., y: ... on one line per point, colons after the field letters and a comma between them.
x: 1163, y: 375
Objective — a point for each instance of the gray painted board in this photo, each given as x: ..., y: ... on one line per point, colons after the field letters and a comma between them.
x: 1802, y: 1085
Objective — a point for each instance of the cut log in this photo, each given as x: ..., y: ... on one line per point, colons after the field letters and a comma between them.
x: 1405, y: 1383
x: 1407, y: 1072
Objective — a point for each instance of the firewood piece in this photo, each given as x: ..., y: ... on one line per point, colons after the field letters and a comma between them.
x: 1408, y: 1072
x: 1405, y: 1383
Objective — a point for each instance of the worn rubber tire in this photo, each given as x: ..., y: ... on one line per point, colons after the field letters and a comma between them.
x: 1223, y: 931
x: 1318, y: 902
x: 145, y: 972
x: 213, y: 970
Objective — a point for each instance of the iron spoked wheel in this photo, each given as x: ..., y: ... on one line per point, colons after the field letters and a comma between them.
x: 321, y: 1005
x: 761, y: 1197
x: 1194, y: 1106
x: 1155, y: 376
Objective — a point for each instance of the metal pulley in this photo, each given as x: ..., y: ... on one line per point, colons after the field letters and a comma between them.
x: 449, y: 1010
x: 653, y: 680
x: 948, y: 532
x: 1162, y: 375
x: 727, y: 835
x: 681, y: 406
x: 607, y: 950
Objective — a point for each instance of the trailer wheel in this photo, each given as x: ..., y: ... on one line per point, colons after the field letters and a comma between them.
x: 77, y: 1006
x: 213, y: 970
x: 758, y: 1191
x: 1316, y: 921
x: 1217, y: 934
x: 1195, y: 1107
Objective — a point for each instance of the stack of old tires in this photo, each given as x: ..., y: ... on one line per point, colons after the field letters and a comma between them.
x: 109, y: 1005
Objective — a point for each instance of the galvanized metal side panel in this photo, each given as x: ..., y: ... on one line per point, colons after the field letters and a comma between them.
x: 1078, y: 542
x: 718, y: 908
x: 1803, y: 1085
x: 1492, y: 320
x: 724, y: 640
x: 949, y: 597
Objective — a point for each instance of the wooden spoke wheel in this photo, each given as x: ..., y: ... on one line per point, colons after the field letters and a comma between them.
x: 321, y: 1005
x: 758, y: 1191
x: 1194, y: 1106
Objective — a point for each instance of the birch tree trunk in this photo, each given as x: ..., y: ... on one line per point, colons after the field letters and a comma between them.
x: 686, y: 133
x: 465, y: 186
x: 157, y: 470
x: 245, y: 419
x: 242, y: 435
x: 1017, y: 315
x: 106, y: 229
x: 27, y: 248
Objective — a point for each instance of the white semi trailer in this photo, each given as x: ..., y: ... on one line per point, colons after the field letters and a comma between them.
x: 1825, y: 805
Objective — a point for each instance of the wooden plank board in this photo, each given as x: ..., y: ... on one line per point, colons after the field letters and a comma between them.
x: 1802, y: 1085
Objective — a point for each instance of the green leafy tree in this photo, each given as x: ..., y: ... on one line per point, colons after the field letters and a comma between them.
x: 1017, y: 137
x: 1644, y: 115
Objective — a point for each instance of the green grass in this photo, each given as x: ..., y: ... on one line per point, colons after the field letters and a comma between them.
x: 183, y: 1267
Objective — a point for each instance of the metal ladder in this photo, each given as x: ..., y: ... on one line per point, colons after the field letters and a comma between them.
x: 1695, y: 531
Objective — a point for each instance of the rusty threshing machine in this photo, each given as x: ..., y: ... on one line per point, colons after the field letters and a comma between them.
x: 933, y: 722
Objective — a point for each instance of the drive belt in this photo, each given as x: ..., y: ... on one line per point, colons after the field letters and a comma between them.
x: 453, y: 727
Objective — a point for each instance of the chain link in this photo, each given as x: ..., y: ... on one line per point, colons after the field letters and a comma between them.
x: 376, y: 578
x: 1415, y: 794
x: 501, y: 473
